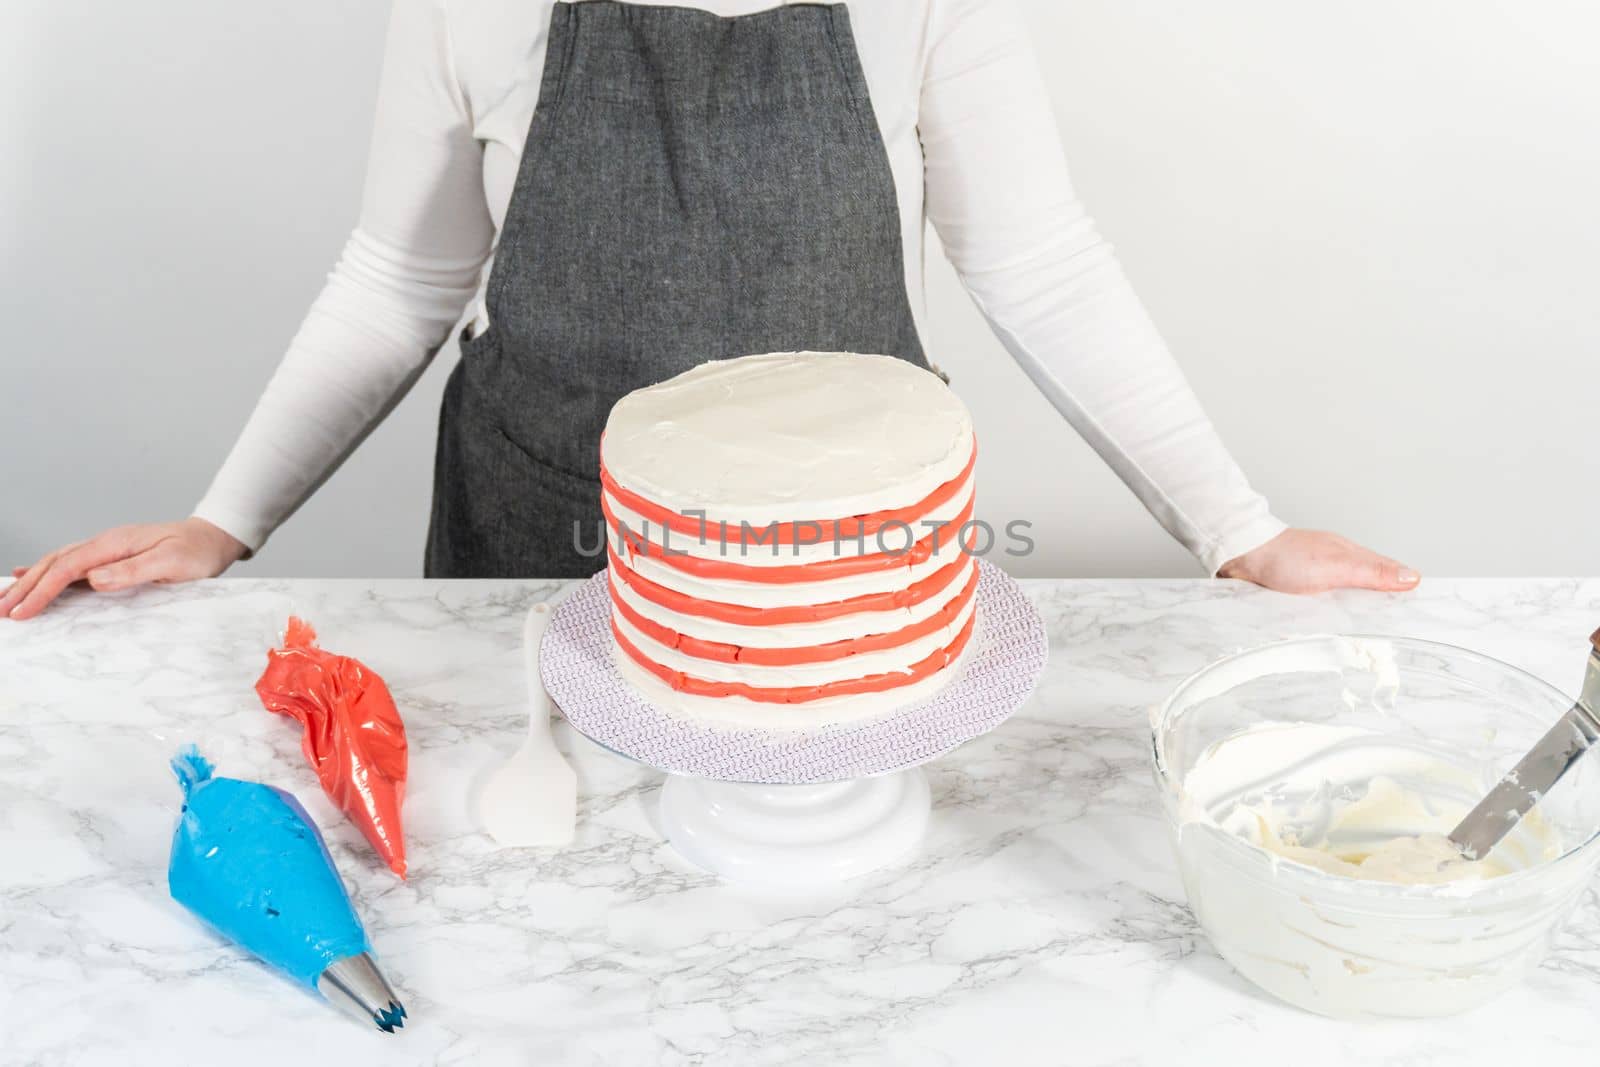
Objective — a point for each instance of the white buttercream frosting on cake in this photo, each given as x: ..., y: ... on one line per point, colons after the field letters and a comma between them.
x: 788, y: 436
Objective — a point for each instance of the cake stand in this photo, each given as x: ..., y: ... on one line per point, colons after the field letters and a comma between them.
x: 794, y: 808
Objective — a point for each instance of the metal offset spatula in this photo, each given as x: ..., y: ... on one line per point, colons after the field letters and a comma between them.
x: 531, y: 799
x: 1536, y: 772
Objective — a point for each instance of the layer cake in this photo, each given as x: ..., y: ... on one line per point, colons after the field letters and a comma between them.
x: 786, y: 538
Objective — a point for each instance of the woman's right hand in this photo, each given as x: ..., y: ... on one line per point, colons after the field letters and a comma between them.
x: 121, y: 559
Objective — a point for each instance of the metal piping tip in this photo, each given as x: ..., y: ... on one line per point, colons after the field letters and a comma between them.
x: 356, y: 987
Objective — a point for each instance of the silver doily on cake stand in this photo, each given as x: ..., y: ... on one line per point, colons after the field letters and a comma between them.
x: 794, y: 807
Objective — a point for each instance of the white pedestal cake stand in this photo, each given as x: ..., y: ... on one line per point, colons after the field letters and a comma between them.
x: 792, y: 808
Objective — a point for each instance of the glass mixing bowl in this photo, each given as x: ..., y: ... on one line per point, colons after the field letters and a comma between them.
x: 1386, y: 706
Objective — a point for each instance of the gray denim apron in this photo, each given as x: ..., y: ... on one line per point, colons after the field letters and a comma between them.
x: 693, y: 187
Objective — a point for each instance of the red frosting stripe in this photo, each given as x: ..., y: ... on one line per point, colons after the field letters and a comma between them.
x: 800, y: 694
x: 746, y: 615
x: 798, y: 654
x: 847, y: 528
x: 815, y: 571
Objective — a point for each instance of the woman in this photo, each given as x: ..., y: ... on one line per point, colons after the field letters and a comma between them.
x: 661, y: 185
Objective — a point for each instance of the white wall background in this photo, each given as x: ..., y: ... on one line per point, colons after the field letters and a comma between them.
x: 1369, y: 231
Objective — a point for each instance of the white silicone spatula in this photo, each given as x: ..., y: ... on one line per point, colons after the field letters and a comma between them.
x: 531, y: 800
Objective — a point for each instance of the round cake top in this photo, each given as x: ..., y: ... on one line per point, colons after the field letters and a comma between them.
x: 789, y: 435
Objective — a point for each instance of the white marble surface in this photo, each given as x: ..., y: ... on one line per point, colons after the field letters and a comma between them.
x: 1043, y: 922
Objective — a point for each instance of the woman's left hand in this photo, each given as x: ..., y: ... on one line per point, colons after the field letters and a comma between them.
x: 1314, y: 561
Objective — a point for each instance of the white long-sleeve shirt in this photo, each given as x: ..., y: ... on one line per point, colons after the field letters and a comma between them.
x: 972, y: 146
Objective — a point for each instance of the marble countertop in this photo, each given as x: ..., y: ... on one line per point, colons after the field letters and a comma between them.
x: 1042, y: 923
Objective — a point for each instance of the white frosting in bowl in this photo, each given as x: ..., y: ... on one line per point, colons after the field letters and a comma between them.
x: 1314, y: 855
x: 1308, y: 785
x: 1352, y: 803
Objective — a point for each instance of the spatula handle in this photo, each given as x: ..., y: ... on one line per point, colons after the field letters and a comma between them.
x: 1590, y: 698
x: 538, y: 700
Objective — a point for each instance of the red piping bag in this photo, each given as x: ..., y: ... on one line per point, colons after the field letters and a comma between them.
x: 352, y: 734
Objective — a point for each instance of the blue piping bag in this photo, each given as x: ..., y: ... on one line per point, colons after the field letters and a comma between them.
x: 249, y: 862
